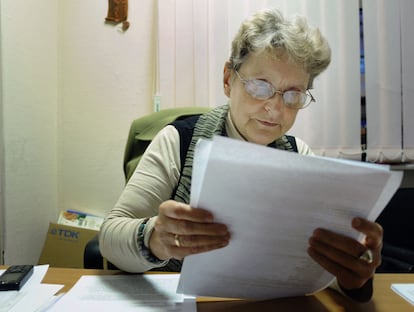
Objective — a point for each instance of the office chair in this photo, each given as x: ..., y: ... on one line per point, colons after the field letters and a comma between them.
x: 141, y: 133
x: 398, y: 243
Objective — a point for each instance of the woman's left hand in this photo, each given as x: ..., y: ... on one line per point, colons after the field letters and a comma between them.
x: 341, y: 255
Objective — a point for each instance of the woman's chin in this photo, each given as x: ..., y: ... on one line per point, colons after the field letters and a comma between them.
x: 262, y: 140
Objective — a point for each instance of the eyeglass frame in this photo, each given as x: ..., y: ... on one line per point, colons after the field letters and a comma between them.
x: 307, y: 93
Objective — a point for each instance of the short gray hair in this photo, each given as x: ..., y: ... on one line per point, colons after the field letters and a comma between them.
x: 269, y: 31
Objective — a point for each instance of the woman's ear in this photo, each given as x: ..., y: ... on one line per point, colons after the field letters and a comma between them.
x: 227, y: 74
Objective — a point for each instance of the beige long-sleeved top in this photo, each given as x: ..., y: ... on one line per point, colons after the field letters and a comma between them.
x: 152, y: 183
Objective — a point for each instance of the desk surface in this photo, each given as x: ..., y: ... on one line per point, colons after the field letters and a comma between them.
x: 384, y: 300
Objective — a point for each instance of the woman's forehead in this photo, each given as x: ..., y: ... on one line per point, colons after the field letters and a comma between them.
x: 265, y: 61
x: 264, y: 65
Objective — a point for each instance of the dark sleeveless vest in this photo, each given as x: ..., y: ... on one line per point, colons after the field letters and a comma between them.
x: 205, y: 126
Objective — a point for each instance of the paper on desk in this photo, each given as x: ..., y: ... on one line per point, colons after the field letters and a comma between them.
x: 404, y: 290
x: 272, y: 200
x: 138, y: 292
x: 32, y: 296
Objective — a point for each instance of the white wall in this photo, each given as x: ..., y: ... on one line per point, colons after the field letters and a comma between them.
x: 106, y: 83
x: 30, y: 87
x: 1, y: 156
x: 71, y: 86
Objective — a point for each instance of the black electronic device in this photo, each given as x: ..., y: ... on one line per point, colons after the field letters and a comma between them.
x: 15, y: 277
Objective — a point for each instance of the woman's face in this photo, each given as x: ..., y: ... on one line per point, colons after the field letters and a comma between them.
x: 263, y: 121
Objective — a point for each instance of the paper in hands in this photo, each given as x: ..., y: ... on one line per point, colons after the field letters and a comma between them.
x: 272, y: 200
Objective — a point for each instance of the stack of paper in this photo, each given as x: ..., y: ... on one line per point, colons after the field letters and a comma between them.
x: 272, y: 201
x: 149, y: 292
x: 405, y: 290
x: 33, y: 296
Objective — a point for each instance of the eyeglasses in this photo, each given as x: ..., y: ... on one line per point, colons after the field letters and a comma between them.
x: 263, y: 90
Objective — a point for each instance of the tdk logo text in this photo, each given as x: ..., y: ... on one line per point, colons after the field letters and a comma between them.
x: 68, y: 234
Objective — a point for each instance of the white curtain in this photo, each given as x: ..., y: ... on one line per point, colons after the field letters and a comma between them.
x: 389, y: 64
x: 194, y: 38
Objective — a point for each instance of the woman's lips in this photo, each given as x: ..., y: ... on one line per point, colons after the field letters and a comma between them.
x: 267, y: 123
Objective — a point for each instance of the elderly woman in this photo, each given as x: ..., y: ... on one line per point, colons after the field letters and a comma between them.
x: 272, y: 66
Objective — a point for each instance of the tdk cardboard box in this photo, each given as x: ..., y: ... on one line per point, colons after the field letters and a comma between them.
x: 64, y: 245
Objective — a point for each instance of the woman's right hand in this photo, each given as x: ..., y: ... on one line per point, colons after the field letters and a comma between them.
x: 181, y: 230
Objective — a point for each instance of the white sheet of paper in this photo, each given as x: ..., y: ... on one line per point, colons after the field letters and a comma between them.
x: 32, y: 296
x: 404, y: 290
x: 140, y: 292
x: 272, y: 200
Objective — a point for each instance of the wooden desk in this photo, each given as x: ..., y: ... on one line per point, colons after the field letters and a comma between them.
x: 384, y: 300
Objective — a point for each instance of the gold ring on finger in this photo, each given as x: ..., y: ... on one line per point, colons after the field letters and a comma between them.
x: 177, y: 240
x: 367, y: 256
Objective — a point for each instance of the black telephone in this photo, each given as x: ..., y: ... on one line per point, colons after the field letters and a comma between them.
x: 15, y: 277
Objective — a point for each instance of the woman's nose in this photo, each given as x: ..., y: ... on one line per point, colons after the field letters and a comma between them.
x: 276, y: 102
